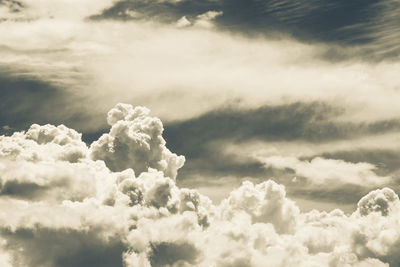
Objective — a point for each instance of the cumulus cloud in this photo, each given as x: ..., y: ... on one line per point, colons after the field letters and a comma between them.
x: 135, y: 140
x: 382, y: 201
x: 116, y: 203
x: 265, y: 202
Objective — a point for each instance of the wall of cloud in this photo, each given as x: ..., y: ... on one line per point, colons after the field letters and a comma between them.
x: 116, y: 203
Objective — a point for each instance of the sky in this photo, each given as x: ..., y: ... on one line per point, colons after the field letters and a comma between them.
x: 271, y: 125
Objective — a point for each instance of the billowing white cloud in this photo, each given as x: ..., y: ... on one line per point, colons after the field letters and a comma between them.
x: 135, y: 141
x: 265, y: 202
x: 125, y: 209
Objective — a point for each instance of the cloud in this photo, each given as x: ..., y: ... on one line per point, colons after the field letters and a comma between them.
x: 135, y: 140
x: 265, y: 203
x: 320, y: 171
x: 379, y: 150
x: 10, y: 10
x: 29, y: 9
x: 366, y: 23
x: 205, y: 20
x: 183, y: 22
x: 378, y: 201
x: 100, y: 216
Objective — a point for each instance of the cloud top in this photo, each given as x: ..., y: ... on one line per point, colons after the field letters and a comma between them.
x: 135, y: 141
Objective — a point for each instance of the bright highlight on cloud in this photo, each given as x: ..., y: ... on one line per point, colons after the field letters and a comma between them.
x: 116, y: 203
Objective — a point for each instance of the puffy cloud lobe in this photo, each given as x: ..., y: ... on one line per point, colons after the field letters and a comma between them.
x: 265, y: 202
x: 117, y: 204
x: 48, y: 162
x: 40, y: 141
x: 382, y: 201
x: 135, y: 141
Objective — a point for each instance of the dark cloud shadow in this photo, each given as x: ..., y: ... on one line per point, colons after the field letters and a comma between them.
x: 26, y: 100
x: 21, y: 190
x: 22, y: 99
x: 345, y: 194
x: 298, y: 121
x: 167, y: 254
x: 63, y: 247
x: 312, y: 122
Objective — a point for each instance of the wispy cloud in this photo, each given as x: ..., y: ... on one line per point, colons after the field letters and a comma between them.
x: 320, y: 171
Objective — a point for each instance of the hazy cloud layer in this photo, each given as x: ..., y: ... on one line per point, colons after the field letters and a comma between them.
x: 87, y: 214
